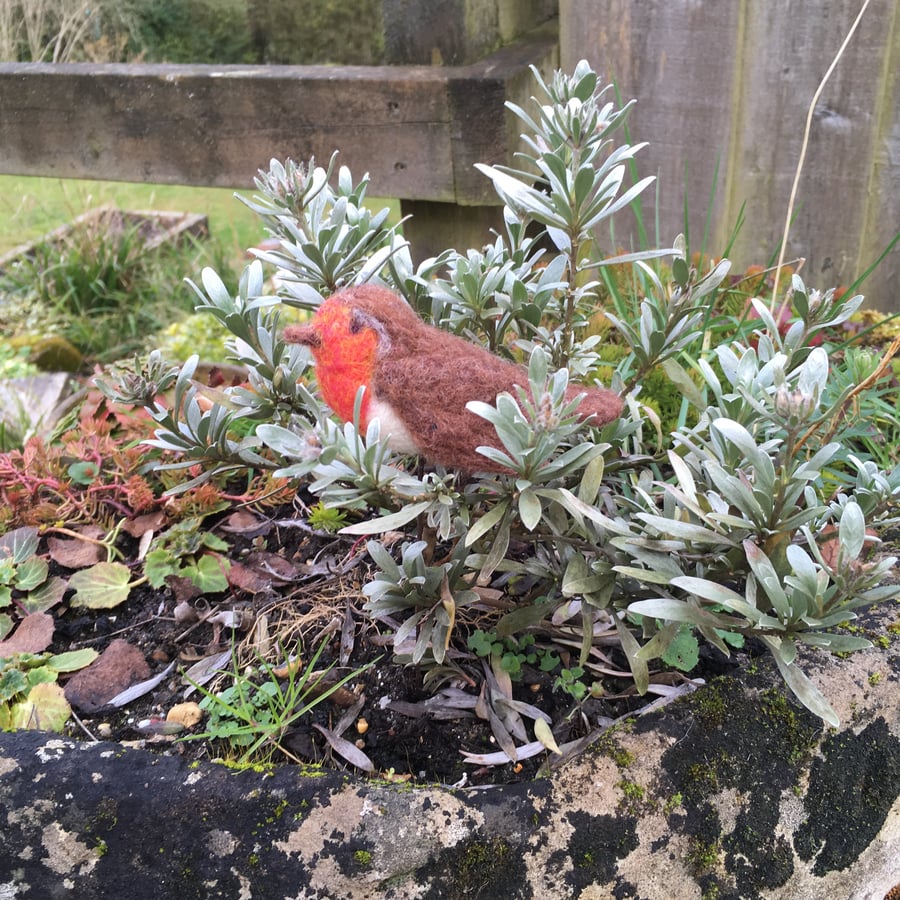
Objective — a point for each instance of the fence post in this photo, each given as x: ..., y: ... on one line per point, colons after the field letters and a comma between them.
x: 460, y: 32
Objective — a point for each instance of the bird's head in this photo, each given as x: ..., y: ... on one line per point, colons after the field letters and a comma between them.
x: 347, y: 335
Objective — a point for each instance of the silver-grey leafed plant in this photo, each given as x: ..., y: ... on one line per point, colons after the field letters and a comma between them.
x: 748, y: 517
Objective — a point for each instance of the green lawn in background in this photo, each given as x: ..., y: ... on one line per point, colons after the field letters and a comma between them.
x: 30, y: 207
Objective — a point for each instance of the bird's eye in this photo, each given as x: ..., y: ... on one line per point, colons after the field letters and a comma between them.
x: 357, y: 322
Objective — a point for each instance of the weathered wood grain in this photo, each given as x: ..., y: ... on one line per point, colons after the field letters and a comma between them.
x: 728, y: 85
x: 416, y: 129
x: 206, y: 125
x: 675, y: 59
x: 722, y: 93
x: 784, y: 59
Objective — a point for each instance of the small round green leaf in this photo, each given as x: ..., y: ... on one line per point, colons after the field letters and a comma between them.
x: 84, y: 472
x: 102, y: 586
x: 45, y: 709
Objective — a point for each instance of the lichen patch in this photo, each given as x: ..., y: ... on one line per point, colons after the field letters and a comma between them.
x: 65, y: 853
x: 221, y: 843
x: 33, y: 814
x: 52, y: 750
x: 9, y: 890
x: 338, y: 818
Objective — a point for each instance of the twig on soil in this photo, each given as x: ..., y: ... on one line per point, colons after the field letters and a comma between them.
x: 105, y: 637
x: 83, y: 727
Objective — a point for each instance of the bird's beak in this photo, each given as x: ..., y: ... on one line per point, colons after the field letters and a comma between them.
x: 303, y: 334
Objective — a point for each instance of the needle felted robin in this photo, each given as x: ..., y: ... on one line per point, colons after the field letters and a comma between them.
x: 418, y: 378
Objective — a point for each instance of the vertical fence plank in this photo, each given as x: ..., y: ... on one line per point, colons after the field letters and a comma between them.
x: 730, y: 84
x: 677, y: 60
x: 786, y: 57
x: 882, y: 196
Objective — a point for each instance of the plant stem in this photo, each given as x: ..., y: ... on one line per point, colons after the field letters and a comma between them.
x: 801, y: 160
x: 864, y: 385
x: 567, y: 343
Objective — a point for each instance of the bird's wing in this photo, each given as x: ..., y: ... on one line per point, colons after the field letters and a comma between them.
x: 429, y: 392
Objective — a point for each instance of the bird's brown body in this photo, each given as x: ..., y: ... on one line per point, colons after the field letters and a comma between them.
x: 418, y: 378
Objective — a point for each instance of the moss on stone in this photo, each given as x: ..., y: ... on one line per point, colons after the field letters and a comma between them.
x: 623, y: 758
x: 477, y: 867
x: 710, y: 708
x: 56, y: 354
x: 702, y: 856
x: 595, y: 846
x: 849, y: 796
x: 702, y: 779
x: 730, y: 739
x: 634, y: 797
x: 607, y: 745
x: 797, y: 734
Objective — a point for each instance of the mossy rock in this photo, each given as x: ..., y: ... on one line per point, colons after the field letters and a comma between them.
x: 734, y: 791
x: 55, y: 354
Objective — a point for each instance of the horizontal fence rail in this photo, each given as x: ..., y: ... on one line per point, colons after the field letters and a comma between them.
x: 722, y: 91
x: 417, y: 130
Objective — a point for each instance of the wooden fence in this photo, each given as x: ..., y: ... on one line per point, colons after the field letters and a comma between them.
x: 721, y: 85
x: 725, y: 85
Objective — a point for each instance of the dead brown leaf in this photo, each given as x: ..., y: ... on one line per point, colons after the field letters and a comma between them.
x: 72, y: 553
x: 140, y: 525
x: 246, y: 523
x: 830, y: 545
x: 34, y: 635
x: 183, y: 589
x: 243, y: 578
x: 272, y: 564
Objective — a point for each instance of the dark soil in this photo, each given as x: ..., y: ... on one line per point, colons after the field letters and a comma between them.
x: 301, y: 613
